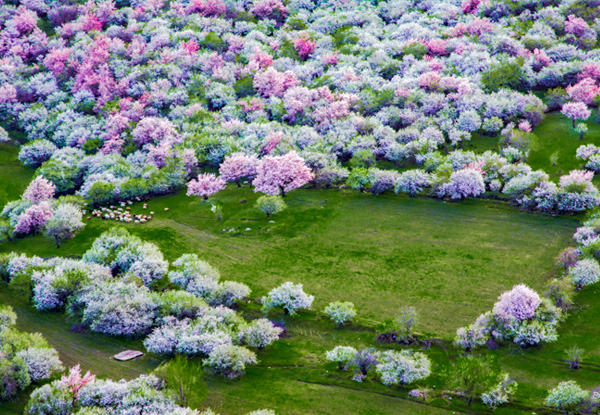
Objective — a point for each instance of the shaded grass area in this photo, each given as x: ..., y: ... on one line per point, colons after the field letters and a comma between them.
x: 14, y: 177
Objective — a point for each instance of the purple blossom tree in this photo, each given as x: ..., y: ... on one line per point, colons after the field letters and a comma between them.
x: 518, y: 304
x: 34, y: 218
x: 39, y: 190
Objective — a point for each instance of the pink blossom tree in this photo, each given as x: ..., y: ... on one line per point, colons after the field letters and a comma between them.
x: 39, y: 190
x: 56, y: 60
x: 540, y: 59
x: 470, y: 6
x: 576, y: 26
x: 271, y: 142
x: 207, y: 184
x: 274, y: 83
x: 25, y: 20
x: 576, y: 111
x: 590, y: 70
x: 584, y: 91
x: 34, y: 218
x: 304, y: 45
x: 238, y: 166
x: 74, y: 381
x: 207, y: 8
x: 277, y: 175
x: 8, y: 94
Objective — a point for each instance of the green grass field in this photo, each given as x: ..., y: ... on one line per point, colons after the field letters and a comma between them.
x: 449, y: 260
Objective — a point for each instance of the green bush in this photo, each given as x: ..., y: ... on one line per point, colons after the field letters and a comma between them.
x: 101, y: 193
x: 92, y: 145
x: 270, y: 205
x: 503, y: 75
x: 244, y: 87
x: 214, y: 42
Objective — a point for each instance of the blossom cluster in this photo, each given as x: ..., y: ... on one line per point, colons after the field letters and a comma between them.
x: 520, y: 315
x: 393, y: 367
x: 38, y: 211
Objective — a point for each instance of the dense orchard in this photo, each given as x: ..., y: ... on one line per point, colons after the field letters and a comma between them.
x: 136, y: 98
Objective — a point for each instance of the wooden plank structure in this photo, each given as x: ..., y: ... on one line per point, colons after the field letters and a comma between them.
x: 128, y: 355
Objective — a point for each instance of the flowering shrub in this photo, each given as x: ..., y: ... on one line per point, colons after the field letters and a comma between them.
x: 501, y: 394
x: 341, y: 355
x: 584, y: 272
x: 519, y: 315
x: 118, y: 309
x: 470, y: 337
x: 412, y: 182
x: 41, y: 363
x: 230, y: 361
x: 363, y: 361
x: 402, y: 367
x: 340, y: 312
x: 462, y: 183
x: 124, y: 253
x: 270, y: 204
x: 567, y: 396
x: 288, y: 296
x: 518, y: 304
x: 260, y: 333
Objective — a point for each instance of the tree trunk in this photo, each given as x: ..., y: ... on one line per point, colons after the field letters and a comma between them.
x: 282, y: 191
x: 205, y: 197
x: 57, y: 242
x: 238, y: 183
x: 268, y: 214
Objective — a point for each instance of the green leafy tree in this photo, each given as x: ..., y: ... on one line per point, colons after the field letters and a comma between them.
x: 184, y: 378
x: 503, y: 75
x: 471, y: 376
x: 270, y: 205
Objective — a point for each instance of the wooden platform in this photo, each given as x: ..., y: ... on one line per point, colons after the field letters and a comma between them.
x: 128, y: 355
